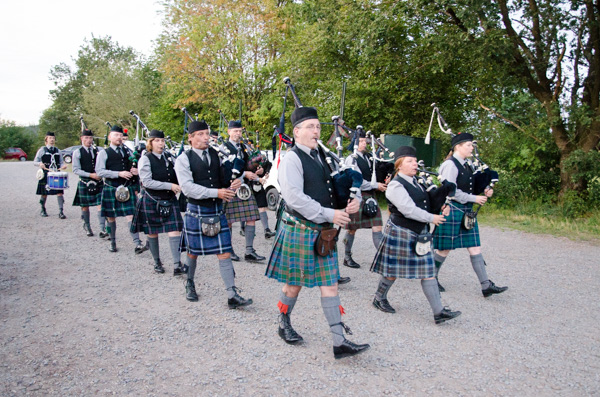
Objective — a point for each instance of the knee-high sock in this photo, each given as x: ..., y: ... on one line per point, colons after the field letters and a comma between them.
x: 479, y: 267
x: 112, y: 230
x: 101, y: 220
x: 439, y: 260
x: 377, y: 236
x: 383, y: 288
x: 286, y: 304
x: 228, y: 275
x: 250, y: 231
x: 348, y: 241
x: 191, y: 264
x: 154, y: 250
x: 86, y: 217
x: 174, y: 245
x: 331, y: 307
x: 134, y: 236
x: 61, y: 201
x: 432, y: 292
x: 43, y: 200
x: 264, y: 219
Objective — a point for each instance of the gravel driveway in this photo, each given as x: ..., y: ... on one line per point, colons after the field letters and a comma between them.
x: 76, y: 319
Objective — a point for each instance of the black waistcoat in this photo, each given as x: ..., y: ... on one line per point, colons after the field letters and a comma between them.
x: 88, y: 164
x: 114, y: 162
x: 421, y: 199
x: 365, y: 168
x: 163, y: 173
x: 208, y: 176
x: 317, y: 182
x: 48, y: 154
x: 464, y: 180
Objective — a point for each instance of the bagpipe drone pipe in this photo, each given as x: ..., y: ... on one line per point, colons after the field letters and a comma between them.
x: 438, y: 195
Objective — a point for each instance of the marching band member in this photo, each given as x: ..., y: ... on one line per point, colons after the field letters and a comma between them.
x: 114, y: 165
x: 89, y: 187
x: 206, y: 232
x: 135, y: 180
x: 451, y: 235
x: 364, y: 164
x: 157, y: 210
x: 397, y: 254
x: 306, y: 187
x: 49, y: 155
x: 238, y: 210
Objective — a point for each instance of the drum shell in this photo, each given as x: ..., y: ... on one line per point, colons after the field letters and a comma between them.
x: 58, y: 180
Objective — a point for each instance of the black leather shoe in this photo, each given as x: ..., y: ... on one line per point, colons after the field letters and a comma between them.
x: 178, y: 270
x: 113, y: 246
x: 61, y: 215
x: 493, y: 289
x: 348, y: 349
x: 234, y: 257
x: 253, y: 257
x: 190, y: 291
x: 445, y: 315
x: 269, y: 233
x: 286, y: 332
x: 43, y: 212
x: 103, y: 234
x: 343, y: 280
x: 141, y: 248
x: 440, y: 287
x: 158, y: 268
x: 383, y: 305
x: 348, y: 261
x: 88, y: 230
x: 238, y: 301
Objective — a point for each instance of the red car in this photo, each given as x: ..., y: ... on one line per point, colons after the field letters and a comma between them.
x: 15, y: 153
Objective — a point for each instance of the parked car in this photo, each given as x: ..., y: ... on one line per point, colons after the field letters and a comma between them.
x: 15, y: 153
x: 271, y: 186
x: 68, y: 153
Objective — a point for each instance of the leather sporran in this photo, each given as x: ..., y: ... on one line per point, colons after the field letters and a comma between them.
x: 370, y: 208
x: 423, y: 246
x: 93, y: 187
x: 326, y: 242
x: 211, y: 225
x: 164, y: 207
x: 469, y: 219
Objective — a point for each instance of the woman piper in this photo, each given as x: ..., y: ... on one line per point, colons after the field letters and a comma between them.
x: 397, y: 253
x: 452, y: 234
x: 158, y: 209
x: 46, y: 157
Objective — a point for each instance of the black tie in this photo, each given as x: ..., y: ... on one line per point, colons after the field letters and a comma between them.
x: 205, y: 158
x: 315, y: 155
x: 120, y: 152
x: 90, y: 152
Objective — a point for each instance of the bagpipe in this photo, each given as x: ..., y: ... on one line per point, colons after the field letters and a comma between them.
x: 438, y: 195
x: 138, y: 147
x: 234, y: 164
x: 383, y: 168
x: 279, y: 131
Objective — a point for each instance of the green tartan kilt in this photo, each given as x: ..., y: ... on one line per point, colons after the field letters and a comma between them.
x: 360, y: 221
x: 451, y: 234
x: 111, y: 208
x: 83, y: 198
x: 293, y: 260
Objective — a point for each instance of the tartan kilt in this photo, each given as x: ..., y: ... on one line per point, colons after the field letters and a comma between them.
x: 147, y: 219
x: 238, y: 210
x: 293, y: 260
x: 451, y: 234
x: 41, y: 187
x: 198, y: 244
x: 396, y: 256
x: 111, y: 208
x: 261, y: 197
x: 83, y: 198
x: 360, y: 221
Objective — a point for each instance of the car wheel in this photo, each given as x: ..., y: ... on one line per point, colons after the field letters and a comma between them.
x: 272, y: 199
x: 22, y: 158
x: 67, y: 159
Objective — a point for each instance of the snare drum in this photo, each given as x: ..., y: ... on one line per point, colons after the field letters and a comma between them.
x: 57, y: 180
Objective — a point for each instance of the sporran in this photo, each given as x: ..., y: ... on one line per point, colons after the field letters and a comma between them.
x: 122, y: 194
x: 211, y: 225
x: 326, y: 242
x: 163, y: 208
x: 469, y: 219
x: 423, y: 246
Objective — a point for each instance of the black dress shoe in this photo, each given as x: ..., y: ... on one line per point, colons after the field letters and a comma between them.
x: 88, y: 230
x: 103, y: 234
x: 440, y: 287
x: 445, y: 315
x: 158, y: 267
x: 253, y: 257
x: 286, y: 332
x: 234, y: 257
x: 238, y: 301
x: 61, y: 215
x: 113, y: 247
x: 343, y: 280
x: 141, y: 248
x: 178, y: 270
x: 383, y: 305
x: 348, y: 349
x: 190, y: 291
x: 348, y: 261
x: 269, y: 233
x: 43, y: 212
x: 493, y: 289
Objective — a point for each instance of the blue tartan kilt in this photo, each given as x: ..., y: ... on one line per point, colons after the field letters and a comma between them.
x: 198, y: 244
x: 148, y: 220
x: 293, y: 259
x: 451, y: 234
x: 83, y: 198
x: 111, y: 207
x: 238, y: 210
x: 396, y: 256
x: 358, y: 220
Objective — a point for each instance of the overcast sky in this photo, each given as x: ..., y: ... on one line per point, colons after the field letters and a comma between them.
x: 36, y: 35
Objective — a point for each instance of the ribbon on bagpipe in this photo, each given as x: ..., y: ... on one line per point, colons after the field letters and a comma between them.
x: 279, y: 131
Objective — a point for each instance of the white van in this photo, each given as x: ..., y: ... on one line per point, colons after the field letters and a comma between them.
x: 272, y: 185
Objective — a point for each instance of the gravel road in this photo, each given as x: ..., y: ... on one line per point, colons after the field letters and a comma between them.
x: 76, y: 319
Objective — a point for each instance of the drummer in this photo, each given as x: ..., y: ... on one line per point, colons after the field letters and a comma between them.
x: 89, y: 188
x: 49, y: 157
